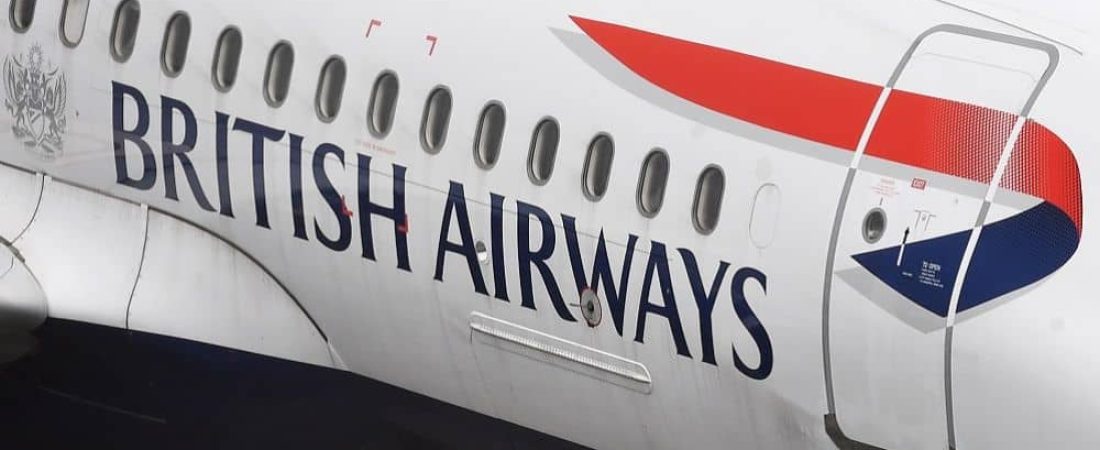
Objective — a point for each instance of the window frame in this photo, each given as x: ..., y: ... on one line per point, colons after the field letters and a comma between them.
x: 11, y: 15
x: 178, y: 15
x: 113, y: 44
x: 65, y: 10
x: 481, y: 128
x: 698, y: 192
x: 588, y: 166
x: 216, y: 66
x: 374, y: 103
x: 535, y: 134
x: 446, y: 124
x: 654, y: 153
x: 269, y: 66
x: 317, y: 100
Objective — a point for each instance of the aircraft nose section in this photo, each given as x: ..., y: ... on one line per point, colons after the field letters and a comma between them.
x: 22, y: 306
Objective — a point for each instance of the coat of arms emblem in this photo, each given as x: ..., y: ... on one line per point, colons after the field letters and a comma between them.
x: 36, y: 95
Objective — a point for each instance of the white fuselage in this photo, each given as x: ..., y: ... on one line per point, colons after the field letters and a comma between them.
x: 706, y: 340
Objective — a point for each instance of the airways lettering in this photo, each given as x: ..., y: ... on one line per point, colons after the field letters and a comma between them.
x: 536, y: 237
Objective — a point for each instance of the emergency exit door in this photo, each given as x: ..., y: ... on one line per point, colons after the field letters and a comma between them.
x: 917, y: 190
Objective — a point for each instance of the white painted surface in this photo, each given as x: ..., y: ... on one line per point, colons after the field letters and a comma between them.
x: 195, y: 286
x: 19, y: 193
x: 1034, y: 364
x: 85, y: 249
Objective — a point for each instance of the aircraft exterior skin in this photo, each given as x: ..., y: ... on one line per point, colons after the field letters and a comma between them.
x: 900, y: 257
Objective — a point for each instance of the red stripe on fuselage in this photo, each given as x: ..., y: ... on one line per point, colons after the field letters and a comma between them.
x: 811, y: 105
x: 936, y: 134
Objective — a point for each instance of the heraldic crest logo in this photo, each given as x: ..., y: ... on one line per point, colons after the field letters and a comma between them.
x: 36, y: 94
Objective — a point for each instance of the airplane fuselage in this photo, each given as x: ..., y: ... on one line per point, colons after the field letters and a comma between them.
x: 896, y: 253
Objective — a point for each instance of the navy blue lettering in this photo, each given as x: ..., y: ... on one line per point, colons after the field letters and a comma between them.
x: 658, y: 264
x: 136, y: 136
x: 332, y: 198
x: 456, y: 208
x: 296, y: 204
x: 173, y: 151
x: 396, y: 214
x: 500, y: 277
x: 538, y: 258
x: 704, y: 300
x: 752, y: 324
x: 221, y: 153
x: 601, y: 270
x: 260, y: 134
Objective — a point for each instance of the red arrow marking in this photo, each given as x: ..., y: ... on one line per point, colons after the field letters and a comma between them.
x: 373, y: 23
x: 433, y: 40
x: 915, y: 130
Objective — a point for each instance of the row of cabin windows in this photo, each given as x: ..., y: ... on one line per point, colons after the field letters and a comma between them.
x: 74, y: 15
x: 434, y: 123
x: 489, y: 135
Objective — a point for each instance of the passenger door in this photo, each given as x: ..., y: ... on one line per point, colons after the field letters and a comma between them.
x: 917, y: 190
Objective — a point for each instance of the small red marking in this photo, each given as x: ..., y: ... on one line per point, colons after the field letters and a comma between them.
x: 433, y: 40
x: 344, y: 207
x: 920, y: 183
x: 373, y: 23
x: 403, y: 228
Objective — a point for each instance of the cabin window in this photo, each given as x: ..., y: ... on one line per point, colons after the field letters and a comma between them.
x: 280, y: 66
x: 383, y: 103
x: 173, y: 52
x: 544, y: 150
x: 124, y: 29
x: 874, y: 225
x: 227, y: 59
x: 597, y: 166
x: 437, y: 116
x: 708, y: 199
x: 490, y: 135
x: 330, y: 88
x: 74, y: 16
x: 21, y: 14
x: 652, y: 182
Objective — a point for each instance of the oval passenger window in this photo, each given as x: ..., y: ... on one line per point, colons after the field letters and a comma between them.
x: 597, y: 166
x: 652, y: 182
x: 708, y: 199
x: 383, y: 103
x: 544, y: 151
x: 330, y: 88
x: 280, y: 66
x: 490, y: 135
x: 227, y: 59
x: 21, y: 14
x: 173, y: 52
x: 124, y: 30
x: 73, y: 18
x: 437, y: 116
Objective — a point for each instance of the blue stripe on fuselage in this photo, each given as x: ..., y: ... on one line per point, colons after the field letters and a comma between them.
x: 1011, y: 254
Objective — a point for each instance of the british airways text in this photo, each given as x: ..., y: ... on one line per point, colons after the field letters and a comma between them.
x: 657, y: 297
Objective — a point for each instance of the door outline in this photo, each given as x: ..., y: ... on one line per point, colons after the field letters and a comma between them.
x: 832, y: 424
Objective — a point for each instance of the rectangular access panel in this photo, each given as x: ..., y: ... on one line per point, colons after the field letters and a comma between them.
x: 917, y: 192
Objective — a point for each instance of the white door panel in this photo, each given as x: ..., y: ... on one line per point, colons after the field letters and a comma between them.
x: 912, y: 203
